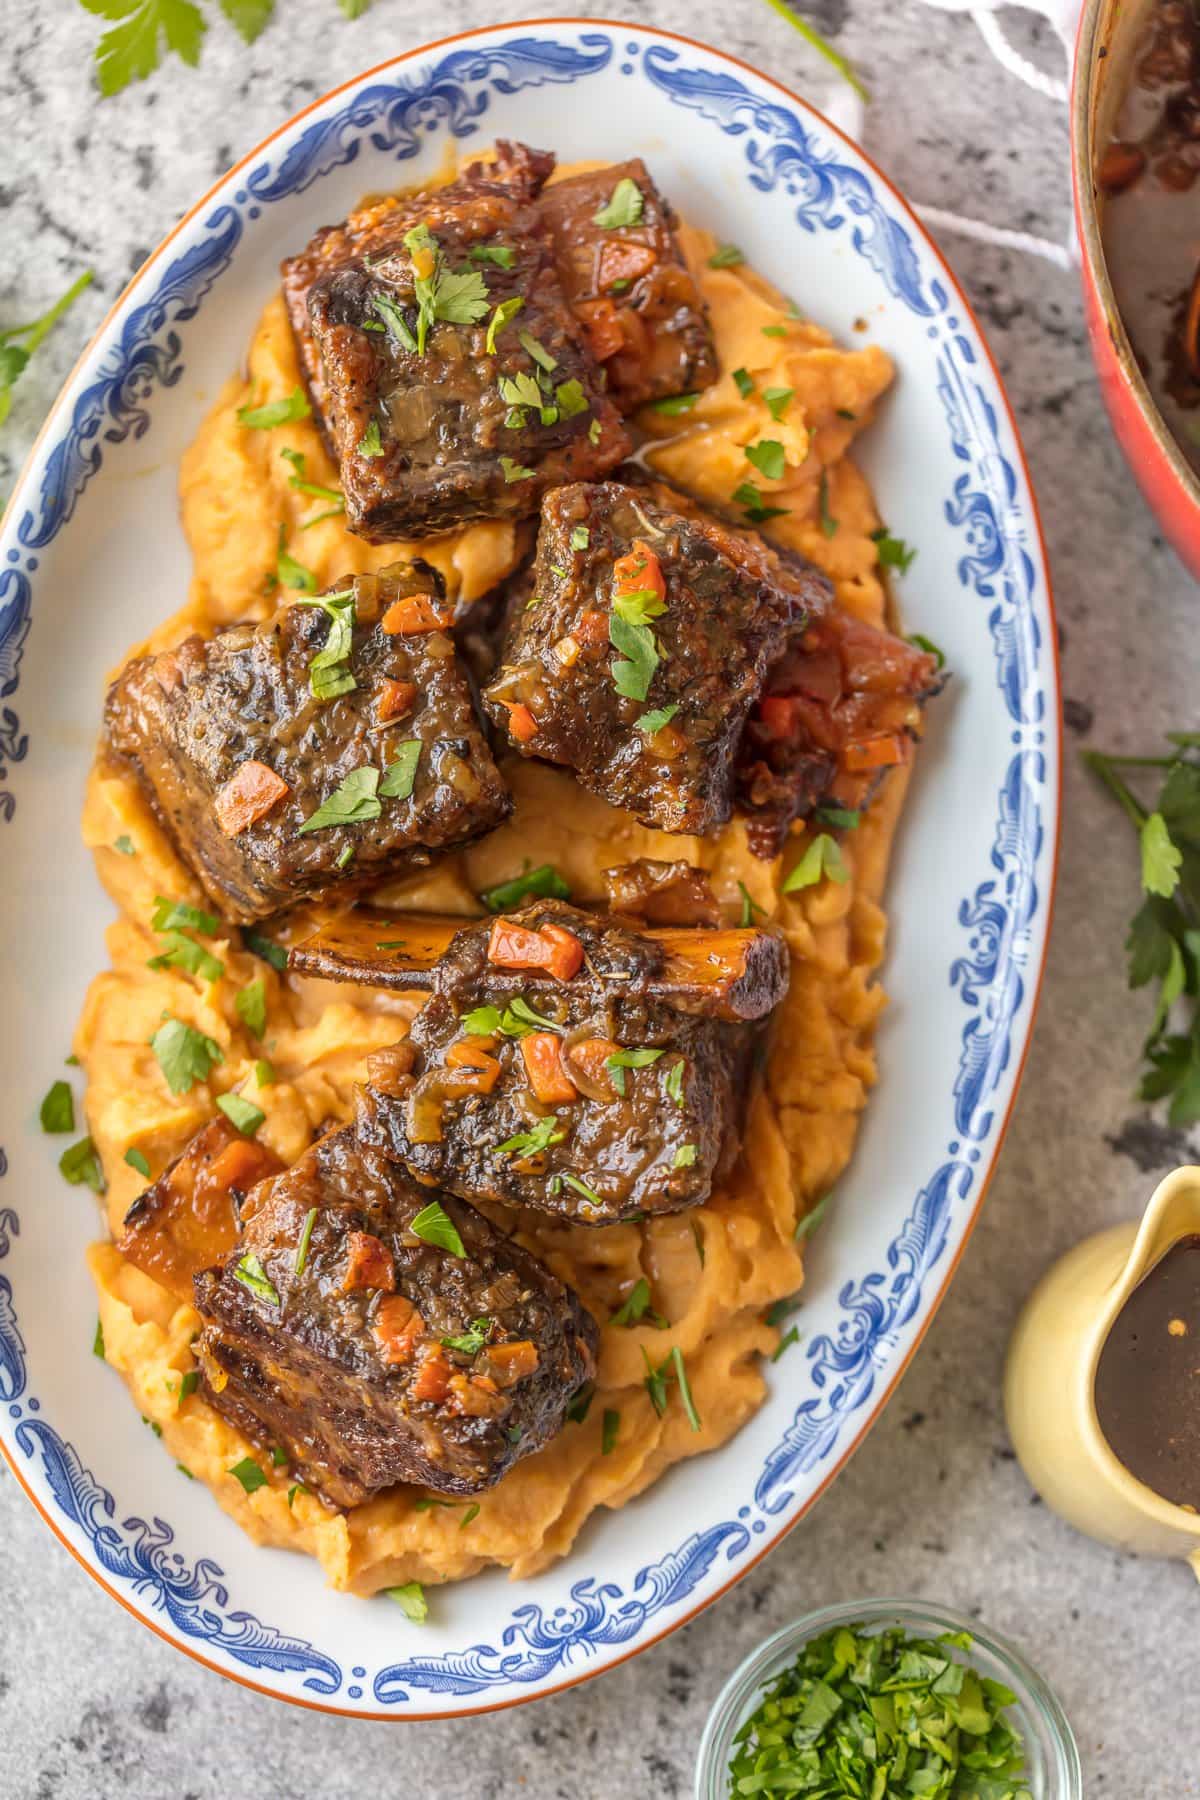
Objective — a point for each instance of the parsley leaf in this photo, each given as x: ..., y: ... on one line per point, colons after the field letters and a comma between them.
x: 354, y: 800
x: 519, y: 390
x: 411, y: 1600
x: 329, y: 671
x: 639, y: 653
x: 503, y: 255
x: 636, y: 1306
x: 130, y: 50
x: 676, y: 404
x: 685, y: 1156
x: 433, y: 1225
x: 544, y: 881
x: 400, y: 775
x: 506, y: 310
x: 137, y: 1160
x: 253, y: 1276
x: 275, y: 412
x: 290, y: 573
x: 656, y: 718
x: 767, y: 457
x: 249, y: 1474
x: 673, y: 1081
x: 182, y: 952
x: 776, y: 402
x: 184, y: 1054
x: 471, y: 1342
x: 893, y: 553
x: 370, y: 444
x: 829, y: 524
x: 251, y: 1005
x: 624, y: 206
x: 821, y: 858
x: 628, y: 1059
x: 750, y: 499
x: 177, y: 915
x: 241, y: 1113
x: 265, y: 949
x: 727, y: 256
x: 571, y: 398
x: 745, y: 386
x: 547, y: 1131
x: 57, y: 1112
x: 1161, y: 861
x: 514, y: 471
x: 14, y: 357
x: 609, y: 1431
x: 80, y: 1165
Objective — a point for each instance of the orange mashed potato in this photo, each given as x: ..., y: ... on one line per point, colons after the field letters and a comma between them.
x: 713, y: 1272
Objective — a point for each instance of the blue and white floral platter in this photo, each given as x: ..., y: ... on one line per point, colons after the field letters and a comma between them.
x: 92, y: 555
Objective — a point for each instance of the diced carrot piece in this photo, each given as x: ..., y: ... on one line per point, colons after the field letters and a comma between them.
x: 248, y: 795
x: 591, y: 1055
x: 432, y: 1379
x: 542, y: 1052
x: 639, y: 569
x: 476, y: 1396
x: 369, y: 1263
x: 398, y: 1328
x: 601, y: 327
x: 877, y: 753
x: 622, y: 261
x: 509, y: 1362
x: 241, y: 1165
x: 521, y: 721
x: 395, y: 699
x: 414, y: 613
x: 553, y: 948
x: 777, y: 715
x: 478, y: 1070
x: 592, y: 627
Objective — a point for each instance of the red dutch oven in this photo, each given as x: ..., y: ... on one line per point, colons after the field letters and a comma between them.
x: 1104, y: 55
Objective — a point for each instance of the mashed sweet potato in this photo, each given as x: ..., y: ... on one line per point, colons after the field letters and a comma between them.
x: 714, y: 1272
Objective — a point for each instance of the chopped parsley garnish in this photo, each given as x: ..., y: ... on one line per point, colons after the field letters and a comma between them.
x: 637, y: 606
x: 57, y: 1111
x: 698, y: 1240
x: 673, y: 1081
x: 514, y: 471
x: 812, y: 36
x: 184, y: 1470
x: 829, y: 524
x: 80, y: 1165
x: 785, y: 1343
x: 538, y: 351
x: 750, y: 906
x: 14, y: 357
x: 184, y: 1054
x: 137, y: 1160
x: 354, y: 800
x: 177, y: 915
x: 620, y: 1060
x: 929, y: 647
x: 636, y: 1306
x: 519, y: 390
x: 124, y: 844
x: 571, y: 398
x: 154, y: 1425
x: 594, y: 432
x: 609, y: 1430
x: 658, y: 1381
x: 506, y: 310
x: 313, y: 488
x: 276, y: 412
x: 676, y: 404
x: 392, y: 314
x: 241, y: 1112
x: 344, y: 857
x: 580, y: 1406
x: 182, y: 952
x: 774, y: 331
x: 685, y: 1392
x: 776, y: 401
x: 400, y: 775
x: 278, y: 1457
x: 98, y: 1342
x: 253, y: 1276
x: 893, y: 552
x: 685, y: 1156
x: 189, y: 1382
x: 471, y: 1342
x: 581, y: 1187
x: 469, y: 1517
x: 433, y: 1225
x: 503, y: 255
x: 750, y: 499
x: 370, y: 444
x: 581, y: 537
x: 767, y: 457
x: 838, y: 817
x: 881, y: 1713
x: 821, y: 858
x: 265, y: 949
x: 249, y: 1474
x: 656, y: 718
x: 544, y: 881
x: 288, y: 572
x: 264, y: 1074
x: 516, y: 1021
x: 844, y: 413
x: 329, y: 671
x: 812, y: 1218
x: 624, y: 206
x: 310, y: 1220
x: 547, y: 1131
x: 297, y: 1487
x: 251, y: 1004
x: 411, y: 1600
x: 728, y: 256
x: 634, y: 672
x: 454, y: 297
x: 745, y: 386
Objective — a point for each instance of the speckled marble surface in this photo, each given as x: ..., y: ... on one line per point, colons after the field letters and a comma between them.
x: 91, y: 1705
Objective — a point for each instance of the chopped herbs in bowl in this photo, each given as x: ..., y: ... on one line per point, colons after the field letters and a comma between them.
x: 884, y: 1700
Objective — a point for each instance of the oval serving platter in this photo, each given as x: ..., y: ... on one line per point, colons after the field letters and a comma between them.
x: 92, y: 555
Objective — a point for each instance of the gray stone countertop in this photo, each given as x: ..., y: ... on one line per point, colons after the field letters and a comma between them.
x: 91, y: 1704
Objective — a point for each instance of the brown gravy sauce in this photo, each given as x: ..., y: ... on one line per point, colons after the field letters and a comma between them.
x: 1149, y: 179
x: 1147, y: 1388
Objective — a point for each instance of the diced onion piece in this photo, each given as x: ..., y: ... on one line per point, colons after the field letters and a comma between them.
x: 249, y: 795
x: 567, y: 651
x: 395, y: 699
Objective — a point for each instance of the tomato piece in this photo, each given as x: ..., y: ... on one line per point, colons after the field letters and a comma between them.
x: 398, y: 1328
x: 601, y: 327
x: 623, y: 261
x: 432, y: 1379
x: 249, y: 795
x: 542, y: 1053
x: 638, y: 570
x: 395, y: 699
x: 509, y: 1362
x: 415, y: 613
x: 521, y: 721
x: 368, y: 1263
x: 877, y: 753
x: 553, y: 948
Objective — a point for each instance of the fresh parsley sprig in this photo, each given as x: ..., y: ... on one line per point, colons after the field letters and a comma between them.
x: 1163, y: 944
x: 133, y: 46
x: 18, y: 342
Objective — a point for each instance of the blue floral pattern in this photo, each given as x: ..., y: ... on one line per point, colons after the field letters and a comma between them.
x: 453, y: 93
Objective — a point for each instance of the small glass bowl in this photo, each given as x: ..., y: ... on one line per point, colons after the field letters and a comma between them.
x: 1051, y: 1754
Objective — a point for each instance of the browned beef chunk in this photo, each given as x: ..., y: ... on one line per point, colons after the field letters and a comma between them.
x: 187, y: 1219
x: 370, y: 1355
x: 624, y: 277
x: 284, y: 768
x: 552, y: 1070
x: 450, y: 375
x: 647, y: 644
x: 662, y: 893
